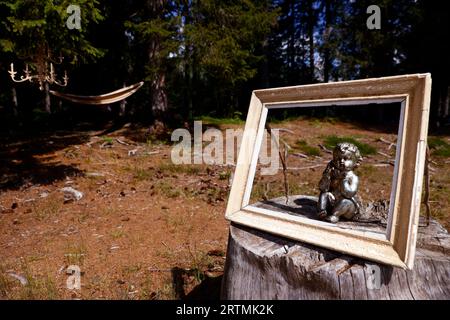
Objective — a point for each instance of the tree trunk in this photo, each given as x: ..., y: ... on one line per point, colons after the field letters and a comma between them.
x: 326, y: 55
x: 265, y: 83
x: 47, y: 101
x: 159, y: 96
x: 122, y: 105
x: 291, y: 52
x: 311, y: 23
x: 158, y: 84
x: 264, y: 266
x: 447, y: 103
x: 15, y: 103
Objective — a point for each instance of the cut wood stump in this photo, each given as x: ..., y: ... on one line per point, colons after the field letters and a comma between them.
x: 260, y: 265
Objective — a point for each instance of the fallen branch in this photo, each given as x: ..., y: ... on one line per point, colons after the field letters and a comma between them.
x: 122, y: 142
x: 325, y: 148
x: 284, y: 130
x: 384, y: 154
x: 390, y: 162
x: 106, y: 144
x: 384, y: 140
x: 391, y: 144
x: 304, y: 168
x: 299, y: 155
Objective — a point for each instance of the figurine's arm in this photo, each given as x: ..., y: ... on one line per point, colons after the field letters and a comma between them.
x: 324, y: 184
x: 349, y: 185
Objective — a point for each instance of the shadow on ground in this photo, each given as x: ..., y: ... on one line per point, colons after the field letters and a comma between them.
x: 26, y: 161
x: 208, y: 289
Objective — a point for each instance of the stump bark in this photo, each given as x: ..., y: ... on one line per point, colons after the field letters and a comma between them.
x: 264, y: 266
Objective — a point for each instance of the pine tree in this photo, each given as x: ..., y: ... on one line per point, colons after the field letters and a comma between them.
x: 154, y: 29
x: 35, y: 32
x: 225, y: 41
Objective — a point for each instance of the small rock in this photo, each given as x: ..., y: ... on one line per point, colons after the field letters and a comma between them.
x: 120, y: 281
x: 94, y: 174
x: 71, y: 194
x: 133, y: 152
x: 71, y: 230
x: 23, y: 281
x: 6, y: 211
x: 16, y: 221
x: 122, y: 194
x: 125, y: 219
x: 44, y: 194
x: 14, y: 205
x: 165, y: 208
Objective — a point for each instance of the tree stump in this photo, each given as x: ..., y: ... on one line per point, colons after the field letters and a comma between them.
x: 260, y: 265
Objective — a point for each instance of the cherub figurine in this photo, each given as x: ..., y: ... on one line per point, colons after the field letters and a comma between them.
x: 339, y: 185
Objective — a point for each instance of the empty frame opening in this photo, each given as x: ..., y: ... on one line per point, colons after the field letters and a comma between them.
x: 293, y: 157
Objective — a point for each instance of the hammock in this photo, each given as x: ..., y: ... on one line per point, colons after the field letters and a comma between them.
x: 106, y: 98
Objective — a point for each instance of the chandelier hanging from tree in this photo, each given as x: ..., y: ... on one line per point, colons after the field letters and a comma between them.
x: 44, y: 70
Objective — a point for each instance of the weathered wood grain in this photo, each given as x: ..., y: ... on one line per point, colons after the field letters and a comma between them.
x: 260, y: 265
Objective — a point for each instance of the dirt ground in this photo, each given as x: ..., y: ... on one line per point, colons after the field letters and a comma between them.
x: 146, y: 228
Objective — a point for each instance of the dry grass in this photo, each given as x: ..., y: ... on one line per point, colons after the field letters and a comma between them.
x: 158, y: 216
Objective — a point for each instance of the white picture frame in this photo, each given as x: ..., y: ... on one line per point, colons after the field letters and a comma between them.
x: 397, y: 246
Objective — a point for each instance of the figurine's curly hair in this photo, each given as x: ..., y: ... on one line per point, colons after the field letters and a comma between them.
x: 348, y: 147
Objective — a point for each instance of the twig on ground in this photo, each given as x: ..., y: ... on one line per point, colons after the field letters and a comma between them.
x: 390, y: 162
x: 305, y: 168
x: 383, y: 154
x: 384, y: 140
x: 122, y: 142
x: 284, y: 130
x: 299, y: 155
x: 325, y: 148
x: 391, y: 144
x: 106, y: 144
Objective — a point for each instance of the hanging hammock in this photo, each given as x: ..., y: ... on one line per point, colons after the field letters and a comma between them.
x: 106, y: 98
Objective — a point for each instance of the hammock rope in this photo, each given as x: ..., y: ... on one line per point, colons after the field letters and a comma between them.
x: 102, y: 99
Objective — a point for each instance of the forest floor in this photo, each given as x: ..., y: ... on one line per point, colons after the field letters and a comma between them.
x: 146, y: 228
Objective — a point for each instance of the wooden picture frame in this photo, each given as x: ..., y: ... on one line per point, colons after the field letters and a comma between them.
x: 397, y: 246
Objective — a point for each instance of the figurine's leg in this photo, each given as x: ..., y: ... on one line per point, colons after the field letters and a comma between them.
x: 344, y: 208
x: 325, y: 201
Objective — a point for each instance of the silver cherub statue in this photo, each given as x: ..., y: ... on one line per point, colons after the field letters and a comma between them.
x: 339, y: 185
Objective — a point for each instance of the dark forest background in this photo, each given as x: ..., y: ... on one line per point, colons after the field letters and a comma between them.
x: 204, y: 57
